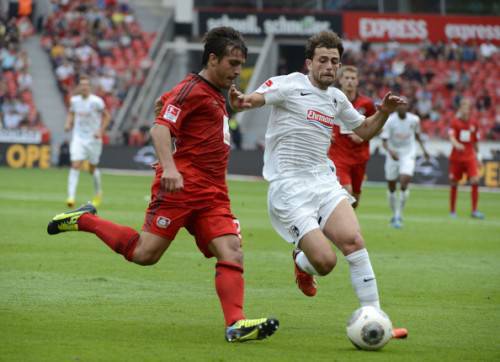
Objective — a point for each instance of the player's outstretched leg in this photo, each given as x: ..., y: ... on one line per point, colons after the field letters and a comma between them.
x: 68, y: 221
x: 305, y: 281
x: 251, y: 329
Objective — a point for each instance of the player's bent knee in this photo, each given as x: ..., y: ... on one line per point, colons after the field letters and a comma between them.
x: 146, y: 258
x: 325, y: 264
x: 353, y: 243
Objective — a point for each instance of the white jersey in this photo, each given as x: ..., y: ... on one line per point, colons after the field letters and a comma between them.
x: 300, y: 125
x: 400, y: 133
x: 88, y: 116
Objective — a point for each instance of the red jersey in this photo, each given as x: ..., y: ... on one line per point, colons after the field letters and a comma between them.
x: 343, y: 149
x: 195, y: 112
x: 467, y: 133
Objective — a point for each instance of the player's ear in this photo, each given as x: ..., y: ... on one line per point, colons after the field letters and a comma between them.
x: 213, y: 60
x: 309, y: 64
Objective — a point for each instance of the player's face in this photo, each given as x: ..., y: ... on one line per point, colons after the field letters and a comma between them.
x: 228, y: 68
x: 349, y: 81
x: 464, y: 109
x: 85, y: 88
x: 323, y: 67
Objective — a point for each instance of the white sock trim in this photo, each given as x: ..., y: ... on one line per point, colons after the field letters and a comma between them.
x: 97, y: 181
x: 304, y: 264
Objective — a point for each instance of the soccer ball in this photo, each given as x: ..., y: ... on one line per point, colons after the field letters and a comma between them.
x: 369, y: 328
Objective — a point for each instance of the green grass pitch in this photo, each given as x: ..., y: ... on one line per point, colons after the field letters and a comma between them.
x: 69, y: 298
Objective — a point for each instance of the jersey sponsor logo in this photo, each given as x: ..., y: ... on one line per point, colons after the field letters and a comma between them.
x: 171, y: 113
x: 313, y: 115
x: 162, y: 222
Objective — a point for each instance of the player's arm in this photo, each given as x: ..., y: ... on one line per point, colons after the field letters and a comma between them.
x: 373, y: 124
x: 393, y: 154
x: 421, y: 143
x: 171, y: 179
x: 70, y: 118
x: 106, y: 118
x: 454, y: 141
x: 242, y: 102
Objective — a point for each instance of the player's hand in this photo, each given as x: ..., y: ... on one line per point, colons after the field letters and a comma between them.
x: 158, y: 106
x: 459, y: 146
x: 427, y: 156
x: 394, y: 155
x: 237, y: 100
x: 390, y: 103
x: 355, y: 138
x: 98, y: 135
x: 171, y: 180
x: 67, y: 127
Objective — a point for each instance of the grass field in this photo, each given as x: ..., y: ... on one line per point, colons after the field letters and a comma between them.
x: 69, y: 298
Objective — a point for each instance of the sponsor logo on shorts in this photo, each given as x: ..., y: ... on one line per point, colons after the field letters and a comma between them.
x: 294, y: 231
x: 162, y: 222
x: 171, y: 113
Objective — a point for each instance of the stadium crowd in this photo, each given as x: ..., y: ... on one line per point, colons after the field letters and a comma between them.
x: 434, y: 78
x: 17, y: 108
x: 102, y: 39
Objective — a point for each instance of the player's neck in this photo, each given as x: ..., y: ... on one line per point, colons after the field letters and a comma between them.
x: 207, y: 75
x: 351, y: 95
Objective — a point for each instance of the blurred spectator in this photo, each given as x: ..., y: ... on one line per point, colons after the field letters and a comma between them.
x: 487, y: 49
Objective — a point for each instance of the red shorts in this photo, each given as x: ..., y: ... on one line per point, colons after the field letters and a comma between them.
x: 458, y: 168
x: 352, y: 174
x: 205, y: 224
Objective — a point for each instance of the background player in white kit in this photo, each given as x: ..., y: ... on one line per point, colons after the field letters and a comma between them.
x: 398, y: 136
x: 88, y: 118
x: 307, y: 205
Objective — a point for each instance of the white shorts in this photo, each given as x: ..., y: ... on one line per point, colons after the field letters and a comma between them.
x: 299, y: 205
x: 405, y: 166
x: 85, y: 150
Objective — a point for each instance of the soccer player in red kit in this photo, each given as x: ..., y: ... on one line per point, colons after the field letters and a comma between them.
x: 192, y: 143
x: 464, y: 157
x: 349, y: 152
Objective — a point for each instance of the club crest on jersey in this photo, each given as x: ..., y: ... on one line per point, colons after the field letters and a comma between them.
x: 162, y: 222
x: 171, y: 113
x: 313, y: 115
x: 268, y: 83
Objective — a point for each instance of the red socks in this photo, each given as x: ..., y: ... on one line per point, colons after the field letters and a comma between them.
x: 453, y: 198
x: 122, y: 239
x: 474, y: 196
x: 229, y: 285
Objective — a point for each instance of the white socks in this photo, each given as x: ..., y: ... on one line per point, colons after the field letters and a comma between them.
x: 304, y: 264
x: 393, y: 203
x: 403, y: 196
x: 72, y: 182
x: 97, y: 181
x: 363, y: 279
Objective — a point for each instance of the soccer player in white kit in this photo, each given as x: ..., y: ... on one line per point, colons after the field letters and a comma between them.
x: 307, y: 205
x: 399, y: 134
x: 88, y: 118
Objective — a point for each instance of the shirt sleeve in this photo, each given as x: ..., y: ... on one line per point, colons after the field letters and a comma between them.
x: 173, y: 113
x: 348, y: 115
x: 274, y: 90
x: 100, y: 104
x: 72, y: 104
x: 418, y: 129
x: 385, y: 130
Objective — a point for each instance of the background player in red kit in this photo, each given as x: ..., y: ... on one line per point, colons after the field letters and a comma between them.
x: 191, y: 139
x: 464, y: 135
x: 348, y: 151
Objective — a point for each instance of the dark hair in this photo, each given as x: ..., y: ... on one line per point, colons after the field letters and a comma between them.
x: 219, y: 40
x: 324, y: 39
